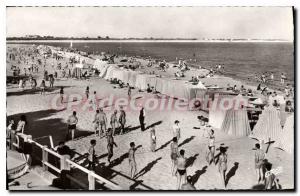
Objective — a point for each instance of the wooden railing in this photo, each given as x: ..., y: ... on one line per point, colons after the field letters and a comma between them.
x: 92, y: 176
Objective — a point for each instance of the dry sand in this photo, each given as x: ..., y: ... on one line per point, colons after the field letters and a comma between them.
x: 154, y: 168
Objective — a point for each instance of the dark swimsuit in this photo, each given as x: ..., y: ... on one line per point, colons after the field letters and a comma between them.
x: 181, y: 171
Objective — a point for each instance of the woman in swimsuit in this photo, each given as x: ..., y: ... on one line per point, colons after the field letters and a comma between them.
x: 210, y: 155
x: 181, y: 169
x: 174, y: 154
x: 223, y: 164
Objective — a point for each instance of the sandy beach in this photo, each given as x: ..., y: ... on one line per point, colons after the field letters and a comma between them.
x: 153, y: 168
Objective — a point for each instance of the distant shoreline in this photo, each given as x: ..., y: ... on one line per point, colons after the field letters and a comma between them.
x: 126, y: 41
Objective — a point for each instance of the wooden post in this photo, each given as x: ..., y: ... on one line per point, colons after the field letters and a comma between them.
x: 91, y: 179
x: 45, y: 158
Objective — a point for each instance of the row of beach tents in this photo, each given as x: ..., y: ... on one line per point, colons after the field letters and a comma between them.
x: 174, y: 88
x: 268, y: 127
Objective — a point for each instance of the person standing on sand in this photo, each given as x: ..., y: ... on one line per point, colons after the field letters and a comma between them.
x: 283, y: 78
x: 210, y: 154
x: 87, y: 92
x: 110, y: 145
x: 188, y: 186
x: 122, y: 120
x: 93, y: 100
x: 152, y: 139
x: 131, y: 158
x: 259, y: 157
x: 92, y: 155
x: 102, y: 122
x: 129, y: 91
x: 142, y: 119
x: 181, y: 169
x: 176, y: 130
x: 43, y: 86
x: 61, y: 92
x: 114, y: 122
x: 51, y: 81
x: 223, y: 164
x: 174, y: 154
x: 72, y: 122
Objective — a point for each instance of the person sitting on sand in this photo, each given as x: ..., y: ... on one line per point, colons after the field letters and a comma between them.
x: 174, y: 154
x: 149, y: 88
x: 271, y: 181
x: 72, y: 122
x: 188, y: 186
x: 92, y: 155
x: 181, y: 169
x: 131, y: 158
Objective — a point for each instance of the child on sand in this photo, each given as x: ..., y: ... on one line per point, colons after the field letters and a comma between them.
x: 91, y: 156
x: 176, y: 130
x: 188, y: 186
x: 61, y: 92
x: 132, y: 162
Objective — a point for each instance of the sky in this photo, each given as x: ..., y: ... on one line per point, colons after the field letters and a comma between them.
x: 158, y: 22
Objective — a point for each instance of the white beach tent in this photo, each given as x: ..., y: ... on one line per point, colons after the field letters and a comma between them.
x: 236, y: 123
x: 99, y: 64
x: 286, y: 138
x: 268, y: 126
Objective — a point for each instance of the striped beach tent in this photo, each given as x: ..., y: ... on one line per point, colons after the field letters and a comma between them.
x: 236, y: 123
x: 286, y: 139
x: 268, y: 126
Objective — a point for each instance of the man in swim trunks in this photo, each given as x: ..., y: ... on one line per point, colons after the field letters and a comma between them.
x: 181, y: 169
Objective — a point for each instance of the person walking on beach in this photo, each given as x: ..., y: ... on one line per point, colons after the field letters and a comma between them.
x: 181, y: 169
x: 129, y: 91
x: 94, y: 101
x: 223, y: 164
x: 43, y: 86
x: 122, y: 120
x: 61, y: 93
x: 142, y: 118
x: 92, y: 155
x: 110, y: 145
x: 114, y: 122
x: 174, y: 154
x: 176, y: 130
x: 72, y: 122
x: 100, y: 121
x: 131, y: 158
x: 152, y: 139
x: 87, y: 92
x: 188, y: 186
x: 259, y: 157
x: 210, y: 154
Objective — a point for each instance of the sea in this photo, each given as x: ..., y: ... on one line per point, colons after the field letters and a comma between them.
x: 241, y: 60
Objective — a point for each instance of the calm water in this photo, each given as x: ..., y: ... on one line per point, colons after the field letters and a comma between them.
x: 241, y: 60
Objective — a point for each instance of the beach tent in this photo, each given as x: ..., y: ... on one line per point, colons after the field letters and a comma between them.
x: 268, y: 125
x: 216, y: 117
x: 99, y: 64
x: 236, y: 123
x: 286, y: 138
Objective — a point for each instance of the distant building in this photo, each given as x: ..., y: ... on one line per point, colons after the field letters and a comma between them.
x: 33, y: 36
